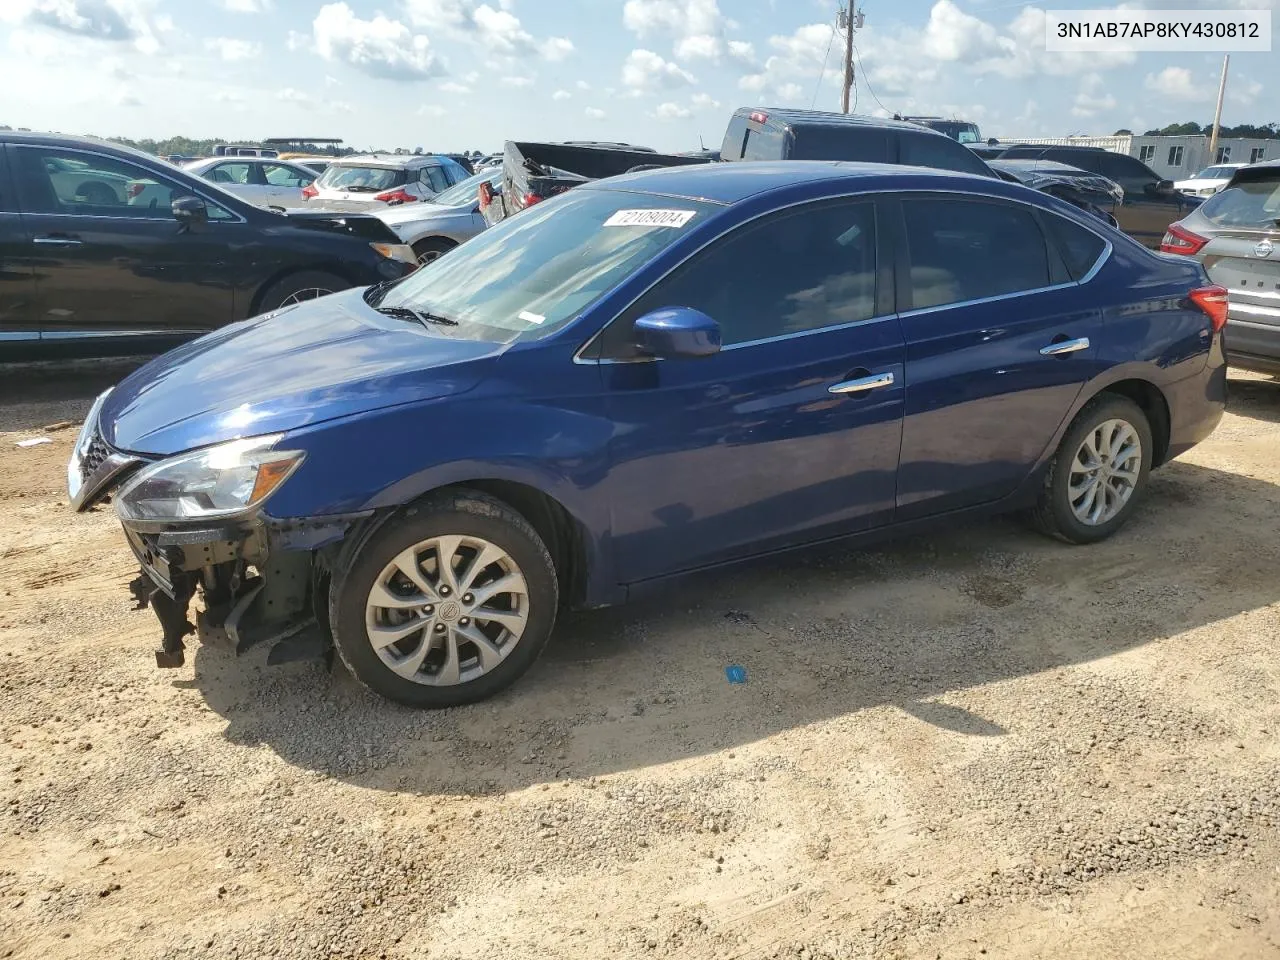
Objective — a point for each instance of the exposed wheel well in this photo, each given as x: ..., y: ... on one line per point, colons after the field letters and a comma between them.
x: 558, y: 529
x: 255, y: 305
x: 1152, y: 402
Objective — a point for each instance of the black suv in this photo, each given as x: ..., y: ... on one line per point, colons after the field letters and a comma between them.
x: 771, y: 133
x: 106, y: 251
x: 1150, y: 202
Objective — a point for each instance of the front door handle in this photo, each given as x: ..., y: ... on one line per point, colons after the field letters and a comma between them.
x: 58, y: 242
x: 1065, y: 346
x: 862, y: 384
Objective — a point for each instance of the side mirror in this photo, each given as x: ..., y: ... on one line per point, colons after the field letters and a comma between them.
x: 992, y: 142
x: 190, y: 212
x: 1158, y: 188
x: 678, y: 332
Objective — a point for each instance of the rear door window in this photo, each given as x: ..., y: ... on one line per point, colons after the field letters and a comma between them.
x: 434, y: 178
x: 817, y: 142
x: 236, y: 173
x: 963, y: 250
x: 940, y: 153
x: 278, y: 175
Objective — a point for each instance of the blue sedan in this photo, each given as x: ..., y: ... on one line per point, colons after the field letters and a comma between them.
x: 647, y: 376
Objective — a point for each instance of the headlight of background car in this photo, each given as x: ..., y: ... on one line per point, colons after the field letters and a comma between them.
x: 397, y: 251
x: 215, y: 482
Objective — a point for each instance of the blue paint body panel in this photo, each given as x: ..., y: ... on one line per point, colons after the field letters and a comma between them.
x: 673, y: 465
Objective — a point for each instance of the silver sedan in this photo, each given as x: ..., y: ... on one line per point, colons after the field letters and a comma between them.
x: 434, y: 227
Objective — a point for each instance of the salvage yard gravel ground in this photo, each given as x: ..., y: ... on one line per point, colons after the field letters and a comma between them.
x: 979, y: 743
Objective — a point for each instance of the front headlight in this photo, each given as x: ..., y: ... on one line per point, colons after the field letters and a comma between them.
x: 219, y: 481
x: 396, y: 251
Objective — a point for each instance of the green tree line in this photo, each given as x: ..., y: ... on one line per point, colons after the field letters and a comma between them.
x: 1268, y: 131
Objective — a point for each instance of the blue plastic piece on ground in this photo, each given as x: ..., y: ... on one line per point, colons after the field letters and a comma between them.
x: 736, y: 674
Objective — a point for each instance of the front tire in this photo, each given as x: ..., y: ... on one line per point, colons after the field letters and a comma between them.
x: 447, y: 603
x: 298, y: 287
x: 432, y: 248
x: 1099, y: 474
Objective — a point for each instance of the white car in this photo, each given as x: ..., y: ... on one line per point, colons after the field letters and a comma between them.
x: 366, y: 183
x: 1209, y: 180
x: 260, y: 181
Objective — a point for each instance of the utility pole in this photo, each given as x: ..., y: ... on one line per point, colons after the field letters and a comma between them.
x: 845, y: 21
x: 1217, y: 114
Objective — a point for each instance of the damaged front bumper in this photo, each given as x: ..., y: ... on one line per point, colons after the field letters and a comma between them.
x: 261, y: 580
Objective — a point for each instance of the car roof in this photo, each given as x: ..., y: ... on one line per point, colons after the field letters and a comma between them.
x: 68, y: 140
x: 391, y: 161
x: 730, y: 182
x: 821, y: 118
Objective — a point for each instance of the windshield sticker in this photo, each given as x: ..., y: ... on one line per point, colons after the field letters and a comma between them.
x: 650, y: 218
x: 528, y: 317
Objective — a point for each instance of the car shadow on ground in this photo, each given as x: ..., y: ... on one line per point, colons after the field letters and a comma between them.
x: 1253, y: 398
x: 821, y: 634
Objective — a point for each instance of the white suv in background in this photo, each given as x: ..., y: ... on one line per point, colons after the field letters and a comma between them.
x: 368, y: 182
x: 1209, y: 180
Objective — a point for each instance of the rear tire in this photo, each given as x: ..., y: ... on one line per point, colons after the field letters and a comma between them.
x: 432, y: 248
x: 298, y: 287
x: 1093, y: 484
x: 422, y: 637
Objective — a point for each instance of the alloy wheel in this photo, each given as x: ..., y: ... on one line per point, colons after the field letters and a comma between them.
x: 447, y: 610
x: 1105, y: 472
x: 306, y: 293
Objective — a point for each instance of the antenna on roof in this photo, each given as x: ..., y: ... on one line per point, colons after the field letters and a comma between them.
x: 701, y: 145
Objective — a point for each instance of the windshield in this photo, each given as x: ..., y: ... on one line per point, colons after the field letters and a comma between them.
x: 1216, y: 173
x: 465, y: 193
x: 534, y: 272
x: 1254, y: 204
x: 964, y: 132
x: 360, y: 179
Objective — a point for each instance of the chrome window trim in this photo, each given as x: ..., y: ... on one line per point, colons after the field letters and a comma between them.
x: 917, y: 311
x: 160, y: 176
x: 19, y: 336
x: 981, y: 194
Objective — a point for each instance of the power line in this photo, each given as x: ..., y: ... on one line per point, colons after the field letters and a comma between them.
x: 822, y: 74
x: 867, y: 79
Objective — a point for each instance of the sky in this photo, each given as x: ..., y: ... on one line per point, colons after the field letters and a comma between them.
x: 450, y: 75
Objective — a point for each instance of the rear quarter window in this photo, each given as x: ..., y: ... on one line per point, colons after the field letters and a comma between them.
x: 940, y: 153
x: 766, y: 144
x: 1080, y: 248
x: 840, y: 143
x: 734, y: 139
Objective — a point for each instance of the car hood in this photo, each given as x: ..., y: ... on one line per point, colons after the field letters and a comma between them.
x: 332, y: 357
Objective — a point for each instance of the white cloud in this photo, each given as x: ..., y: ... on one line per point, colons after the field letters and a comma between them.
x: 791, y: 91
x: 704, y: 101
x: 594, y: 113
x: 229, y: 49
x: 952, y: 34
x: 113, y: 21
x: 1243, y: 90
x: 297, y: 41
x: 1177, y: 83
x: 1091, y: 100
x: 556, y: 49
x: 500, y: 31
x: 517, y: 81
x: 561, y: 95
x: 644, y: 71
x: 247, y: 6
x: 380, y: 47
x: 696, y: 26
x: 127, y: 100
x: 452, y: 86
x: 439, y: 13
x: 582, y: 85
x: 290, y: 95
x: 672, y: 111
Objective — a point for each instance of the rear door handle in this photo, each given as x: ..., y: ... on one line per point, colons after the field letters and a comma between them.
x: 58, y: 242
x: 1065, y: 346
x: 862, y: 384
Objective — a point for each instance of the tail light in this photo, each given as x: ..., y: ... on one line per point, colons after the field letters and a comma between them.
x: 396, y: 196
x: 531, y: 198
x: 1178, y: 239
x: 309, y: 192
x: 759, y: 116
x: 136, y: 188
x: 1213, y: 301
x: 485, y: 195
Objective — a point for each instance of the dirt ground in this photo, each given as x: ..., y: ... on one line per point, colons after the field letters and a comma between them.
x: 975, y: 744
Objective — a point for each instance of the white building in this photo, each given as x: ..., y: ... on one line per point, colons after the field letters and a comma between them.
x: 1174, y: 158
